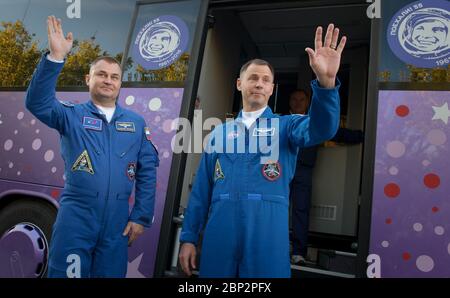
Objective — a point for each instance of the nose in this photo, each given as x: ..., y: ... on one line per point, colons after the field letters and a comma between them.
x: 107, y: 80
x: 259, y: 83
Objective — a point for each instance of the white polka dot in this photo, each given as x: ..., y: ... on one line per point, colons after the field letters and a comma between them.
x: 448, y: 246
x: 385, y: 243
x: 129, y: 100
x: 167, y: 125
x: 1, y: 122
x: 37, y: 143
x: 166, y: 154
x: 157, y: 118
x: 54, y: 170
x: 439, y: 230
x: 8, y: 145
x: 37, y: 131
x: 426, y: 163
x: 20, y: 115
x: 393, y: 171
x: 16, y: 132
x: 64, y: 177
x: 11, y: 165
x: 0, y: 169
x: 21, y: 150
x: 19, y: 173
x: 154, y: 104
x: 417, y: 227
x: 33, y: 122
x: 436, y: 137
x: 395, y: 149
x: 49, y: 155
x: 424, y: 263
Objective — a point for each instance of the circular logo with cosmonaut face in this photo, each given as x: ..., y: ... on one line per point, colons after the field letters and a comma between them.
x: 419, y: 34
x: 160, y: 42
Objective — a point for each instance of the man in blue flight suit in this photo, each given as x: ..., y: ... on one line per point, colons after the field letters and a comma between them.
x: 106, y: 150
x: 301, y: 185
x: 241, y: 194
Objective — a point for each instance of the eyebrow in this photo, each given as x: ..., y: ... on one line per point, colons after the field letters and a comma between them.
x: 104, y: 72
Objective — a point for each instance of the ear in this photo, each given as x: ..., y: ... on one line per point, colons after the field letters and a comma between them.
x: 87, y: 78
x: 271, y: 90
x: 238, y: 84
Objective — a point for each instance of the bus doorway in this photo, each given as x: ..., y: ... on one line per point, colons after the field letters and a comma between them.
x: 279, y: 33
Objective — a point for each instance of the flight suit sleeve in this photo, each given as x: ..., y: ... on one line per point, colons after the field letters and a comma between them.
x: 145, y: 187
x: 322, y: 122
x: 197, y: 210
x: 41, y: 99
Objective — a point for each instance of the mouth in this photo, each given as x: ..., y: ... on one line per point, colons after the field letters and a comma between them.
x: 155, y: 48
x: 427, y: 41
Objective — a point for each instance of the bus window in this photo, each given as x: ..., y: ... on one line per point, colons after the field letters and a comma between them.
x: 161, y: 44
x: 23, y: 29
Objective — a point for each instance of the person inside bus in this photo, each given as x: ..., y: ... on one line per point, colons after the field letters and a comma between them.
x: 301, y: 185
x: 107, y: 150
x: 240, y: 200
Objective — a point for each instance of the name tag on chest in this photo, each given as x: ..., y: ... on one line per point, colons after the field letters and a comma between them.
x: 92, y: 123
x: 125, y: 126
x: 263, y: 132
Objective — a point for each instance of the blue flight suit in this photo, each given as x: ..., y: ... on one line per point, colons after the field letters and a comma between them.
x: 103, y: 161
x: 244, y: 203
x: 301, y: 188
x: 300, y: 196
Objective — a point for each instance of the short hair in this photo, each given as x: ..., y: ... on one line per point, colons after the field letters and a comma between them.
x: 108, y: 59
x: 257, y: 62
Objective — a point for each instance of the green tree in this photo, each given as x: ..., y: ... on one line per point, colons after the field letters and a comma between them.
x: 19, y: 55
x: 176, y: 72
x: 78, y: 62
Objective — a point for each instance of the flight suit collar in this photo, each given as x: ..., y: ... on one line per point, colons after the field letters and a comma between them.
x: 266, y: 114
x: 93, y: 109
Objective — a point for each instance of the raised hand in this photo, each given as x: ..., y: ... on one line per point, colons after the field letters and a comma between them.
x: 59, y: 45
x: 326, y: 58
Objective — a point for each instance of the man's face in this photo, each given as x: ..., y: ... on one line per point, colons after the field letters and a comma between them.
x: 299, y: 102
x: 159, y: 43
x: 429, y: 35
x: 256, y: 86
x: 104, y: 80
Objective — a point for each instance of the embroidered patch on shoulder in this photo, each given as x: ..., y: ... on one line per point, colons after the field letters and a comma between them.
x: 271, y: 171
x: 92, y: 123
x: 218, y: 173
x: 83, y: 163
x: 67, y: 103
x: 148, y: 134
x: 125, y: 126
x: 131, y: 170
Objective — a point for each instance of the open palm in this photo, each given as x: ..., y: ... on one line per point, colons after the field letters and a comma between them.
x: 326, y: 58
x: 59, y: 45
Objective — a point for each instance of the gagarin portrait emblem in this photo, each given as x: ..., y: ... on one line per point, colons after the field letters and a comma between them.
x: 418, y: 34
x: 160, y: 42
